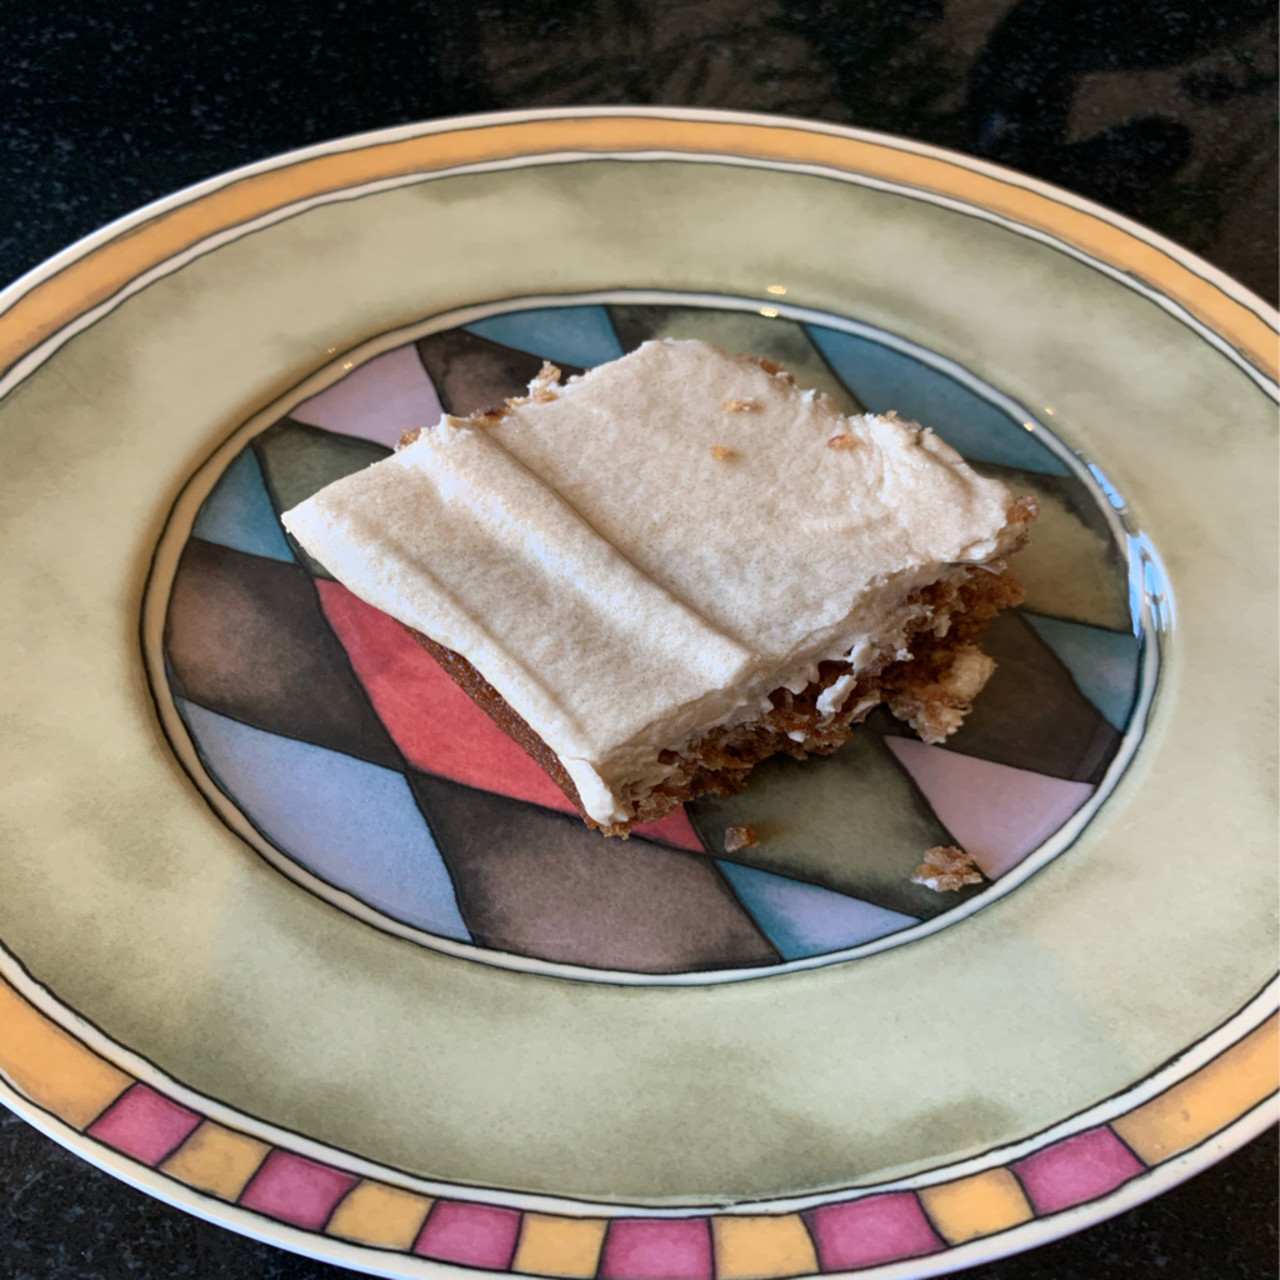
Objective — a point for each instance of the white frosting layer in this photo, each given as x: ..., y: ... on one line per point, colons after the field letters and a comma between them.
x: 622, y: 587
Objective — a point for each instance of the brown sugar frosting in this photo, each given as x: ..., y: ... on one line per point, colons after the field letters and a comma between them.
x: 627, y: 594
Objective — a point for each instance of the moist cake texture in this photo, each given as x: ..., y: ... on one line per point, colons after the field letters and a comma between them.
x: 661, y: 572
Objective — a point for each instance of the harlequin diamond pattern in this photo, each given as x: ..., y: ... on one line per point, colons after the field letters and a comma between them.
x: 352, y: 752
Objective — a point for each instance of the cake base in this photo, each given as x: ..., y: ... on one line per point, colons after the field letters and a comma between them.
x: 931, y: 691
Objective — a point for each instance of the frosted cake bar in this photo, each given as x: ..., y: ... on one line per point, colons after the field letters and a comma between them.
x: 677, y: 564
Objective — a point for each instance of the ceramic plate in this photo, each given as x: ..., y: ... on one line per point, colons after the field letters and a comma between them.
x: 293, y: 938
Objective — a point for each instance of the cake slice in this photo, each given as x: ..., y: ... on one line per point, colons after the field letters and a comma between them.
x: 663, y: 571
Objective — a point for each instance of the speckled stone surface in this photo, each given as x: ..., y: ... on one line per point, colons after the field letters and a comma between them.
x: 1164, y: 111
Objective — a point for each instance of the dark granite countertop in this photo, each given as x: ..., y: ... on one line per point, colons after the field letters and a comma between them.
x: 1165, y: 111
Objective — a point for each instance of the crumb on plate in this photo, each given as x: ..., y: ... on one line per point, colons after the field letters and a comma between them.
x: 946, y: 868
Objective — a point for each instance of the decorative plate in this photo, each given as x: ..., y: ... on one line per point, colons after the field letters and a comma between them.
x: 293, y: 938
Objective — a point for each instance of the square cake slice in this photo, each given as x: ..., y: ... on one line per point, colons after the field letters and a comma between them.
x: 669, y: 568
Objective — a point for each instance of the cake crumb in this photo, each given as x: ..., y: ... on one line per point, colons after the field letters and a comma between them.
x: 489, y: 417
x: 946, y: 868
x: 409, y: 437
x: 542, y: 389
x: 743, y: 837
x: 771, y: 367
x: 740, y: 404
x: 722, y: 453
x: 936, y: 701
x: 844, y: 441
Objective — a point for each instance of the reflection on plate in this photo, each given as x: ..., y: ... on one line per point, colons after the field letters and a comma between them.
x: 355, y: 757
x: 355, y: 983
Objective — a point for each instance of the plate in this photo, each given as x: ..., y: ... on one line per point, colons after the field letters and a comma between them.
x: 293, y: 939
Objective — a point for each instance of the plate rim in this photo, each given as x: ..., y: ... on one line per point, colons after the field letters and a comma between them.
x: 14, y: 354
x: 382, y: 1261
x: 1170, y: 1171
